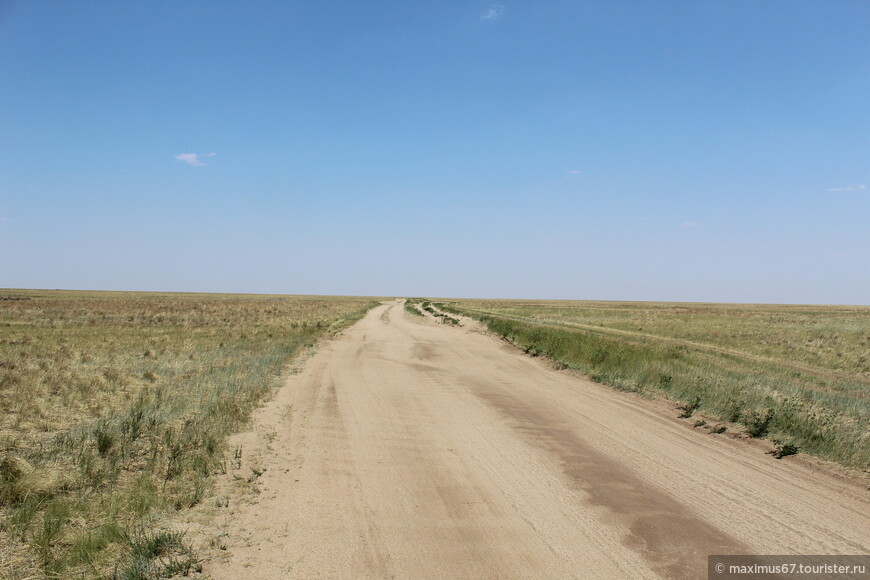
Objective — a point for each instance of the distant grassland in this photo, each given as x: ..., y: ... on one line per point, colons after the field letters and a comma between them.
x: 114, y: 411
x: 799, y: 375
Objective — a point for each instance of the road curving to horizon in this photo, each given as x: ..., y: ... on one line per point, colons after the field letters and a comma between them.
x: 409, y: 449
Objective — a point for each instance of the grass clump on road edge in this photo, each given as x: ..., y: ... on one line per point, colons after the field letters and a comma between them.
x: 437, y: 314
x: 821, y: 412
x: 411, y: 306
x: 115, y: 411
x: 419, y: 307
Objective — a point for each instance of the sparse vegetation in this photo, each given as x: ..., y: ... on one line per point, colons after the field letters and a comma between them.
x: 155, y: 554
x: 115, y: 410
x: 411, y: 307
x: 758, y: 424
x: 799, y: 373
x: 783, y: 449
x: 690, y: 408
x: 438, y: 314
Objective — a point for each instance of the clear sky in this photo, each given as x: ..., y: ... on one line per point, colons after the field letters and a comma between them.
x: 638, y: 150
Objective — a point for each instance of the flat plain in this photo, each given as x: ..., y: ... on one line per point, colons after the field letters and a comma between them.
x: 148, y: 435
x: 114, y: 413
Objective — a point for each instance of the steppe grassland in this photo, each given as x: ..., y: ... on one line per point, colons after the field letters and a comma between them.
x: 799, y: 375
x: 115, y: 410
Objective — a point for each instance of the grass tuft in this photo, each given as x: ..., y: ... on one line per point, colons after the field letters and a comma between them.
x: 156, y: 554
x: 690, y: 408
x: 411, y: 306
x: 783, y: 449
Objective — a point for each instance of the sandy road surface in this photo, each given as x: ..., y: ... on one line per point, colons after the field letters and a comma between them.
x: 409, y: 449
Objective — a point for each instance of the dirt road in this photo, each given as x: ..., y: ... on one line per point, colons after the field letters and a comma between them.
x: 409, y: 449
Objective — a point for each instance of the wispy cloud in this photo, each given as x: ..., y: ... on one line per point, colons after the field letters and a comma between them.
x: 194, y: 158
x: 573, y: 171
x: 850, y: 188
x: 690, y: 224
x: 494, y: 12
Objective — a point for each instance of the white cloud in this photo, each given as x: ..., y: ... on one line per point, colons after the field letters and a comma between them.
x: 194, y: 158
x: 690, y: 224
x: 494, y: 12
x: 574, y: 171
x: 850, y: 188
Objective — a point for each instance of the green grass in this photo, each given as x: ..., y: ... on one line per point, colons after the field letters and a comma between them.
x: 411, y: 307
x: 114, y: 412
x: 797, y: 374
x: 438, y: 314
x: 420, y: 307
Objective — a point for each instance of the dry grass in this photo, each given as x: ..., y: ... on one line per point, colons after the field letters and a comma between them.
x: 114, y: 409
x: 797, y: 374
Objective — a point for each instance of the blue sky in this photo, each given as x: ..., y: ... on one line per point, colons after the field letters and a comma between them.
x: 696, y: 150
